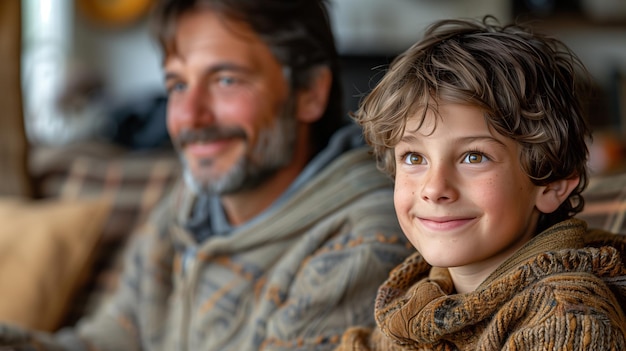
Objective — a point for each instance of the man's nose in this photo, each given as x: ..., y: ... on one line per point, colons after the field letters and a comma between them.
x: 191, y: 108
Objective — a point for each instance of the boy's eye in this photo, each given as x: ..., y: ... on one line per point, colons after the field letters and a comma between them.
x: 413, y: 159
x: 474, y: 157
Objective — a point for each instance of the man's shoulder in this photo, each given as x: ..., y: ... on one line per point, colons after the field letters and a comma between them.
x: 171, y: 206
x: 357, y: 165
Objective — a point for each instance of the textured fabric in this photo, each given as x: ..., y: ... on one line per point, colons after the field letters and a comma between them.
x: 564, y: 290
x: 295, y: 280
x: 133, y: 181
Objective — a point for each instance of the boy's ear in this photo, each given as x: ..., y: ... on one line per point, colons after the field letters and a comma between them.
x: 553, y: 194
x: 312, y: 101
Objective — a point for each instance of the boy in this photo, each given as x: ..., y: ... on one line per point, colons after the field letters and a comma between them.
x: 482, y: 129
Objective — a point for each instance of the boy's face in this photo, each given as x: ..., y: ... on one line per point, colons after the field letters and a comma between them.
x: 461, y: 195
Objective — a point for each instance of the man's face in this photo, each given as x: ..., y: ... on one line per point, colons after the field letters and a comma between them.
x: 230, y: 113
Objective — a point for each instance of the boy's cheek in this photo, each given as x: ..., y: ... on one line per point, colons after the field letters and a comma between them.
x: 403, y: 204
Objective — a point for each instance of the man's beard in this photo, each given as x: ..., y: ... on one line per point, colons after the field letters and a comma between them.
x: 272, y: 152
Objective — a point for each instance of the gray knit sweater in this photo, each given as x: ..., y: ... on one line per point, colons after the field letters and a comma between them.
x: 294, y: 280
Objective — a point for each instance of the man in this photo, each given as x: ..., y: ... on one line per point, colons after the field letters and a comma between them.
x: 283, y: 227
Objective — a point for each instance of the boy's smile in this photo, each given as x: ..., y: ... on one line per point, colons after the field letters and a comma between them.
x: 461, y: 195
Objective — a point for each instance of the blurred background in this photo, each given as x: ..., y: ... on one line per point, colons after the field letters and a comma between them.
x: 89, y: 69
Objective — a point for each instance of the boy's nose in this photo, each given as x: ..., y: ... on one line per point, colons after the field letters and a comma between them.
x: 437, y: 186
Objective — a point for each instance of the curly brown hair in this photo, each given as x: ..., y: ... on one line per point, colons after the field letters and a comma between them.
x: 529, y: 86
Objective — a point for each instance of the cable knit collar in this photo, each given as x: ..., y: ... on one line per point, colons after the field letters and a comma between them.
x: 415, y: 306
x: 570, y: 236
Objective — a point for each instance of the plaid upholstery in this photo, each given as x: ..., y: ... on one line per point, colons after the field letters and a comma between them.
x: 605, y: 203
x: 134, y: 181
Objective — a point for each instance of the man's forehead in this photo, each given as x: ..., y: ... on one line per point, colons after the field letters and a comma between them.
x: 209, y: 34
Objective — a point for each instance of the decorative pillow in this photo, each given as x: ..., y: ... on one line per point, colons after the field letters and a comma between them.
x: 46, y: 248
x: 605, y: 203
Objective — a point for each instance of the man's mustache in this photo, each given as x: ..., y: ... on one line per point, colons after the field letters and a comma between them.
x: 208, y: 134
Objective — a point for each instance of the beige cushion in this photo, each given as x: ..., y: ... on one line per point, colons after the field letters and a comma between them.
x: 46, y: 248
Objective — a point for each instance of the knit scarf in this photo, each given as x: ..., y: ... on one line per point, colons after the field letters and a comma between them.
x: 417, y: 308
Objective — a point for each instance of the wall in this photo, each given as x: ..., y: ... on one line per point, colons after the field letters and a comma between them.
x: 127, y: 57
x: 390, y: 26
x: 601, y: 48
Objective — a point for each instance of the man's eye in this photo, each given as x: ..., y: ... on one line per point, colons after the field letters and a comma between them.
x: 474, y: 157
x: 176, y: 87
x: 226, y: 81
x: 413, y: 159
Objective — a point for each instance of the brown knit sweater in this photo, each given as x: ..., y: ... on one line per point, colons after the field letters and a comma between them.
x: 564, y: 290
